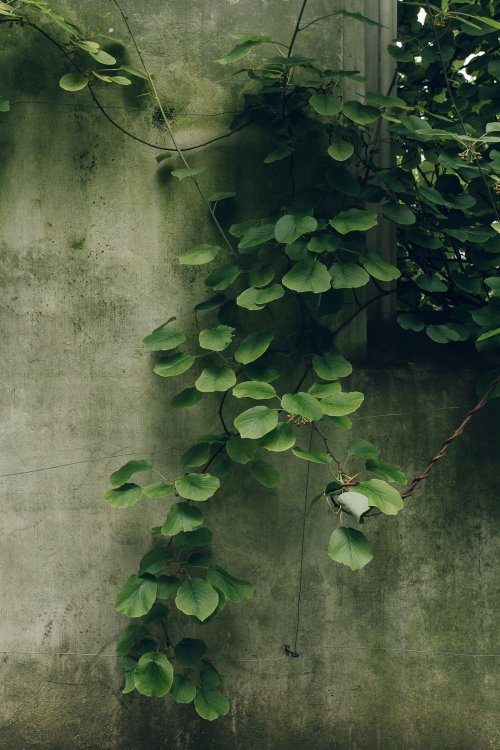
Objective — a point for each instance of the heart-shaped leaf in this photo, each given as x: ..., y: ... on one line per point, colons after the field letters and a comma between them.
x: 308, y: 276
x: 292, y: 226
x: 350, y: 547
x: 256, y: 422
x: 181, y: 517
x: 216, y: 379
x: 137, y: 596
x: 382, y: 496
x: 198, y: 487
x: 303, y: 404
x: 197, y: 597
x: 153, y: 675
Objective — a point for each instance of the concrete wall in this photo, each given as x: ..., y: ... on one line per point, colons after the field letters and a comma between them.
x: 398, y: 656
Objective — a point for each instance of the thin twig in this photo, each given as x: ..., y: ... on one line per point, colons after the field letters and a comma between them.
x: 170, y: 131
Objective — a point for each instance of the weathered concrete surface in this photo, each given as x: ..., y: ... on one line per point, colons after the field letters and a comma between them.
x: 398, y: 656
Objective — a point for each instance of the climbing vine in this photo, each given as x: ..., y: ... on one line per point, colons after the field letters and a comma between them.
x: 266, y: 345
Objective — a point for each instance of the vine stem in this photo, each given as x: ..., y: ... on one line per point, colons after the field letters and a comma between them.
x: 458, y: 432
x: 170, y: 131
x: 408, y: 492
x: 297, y: 28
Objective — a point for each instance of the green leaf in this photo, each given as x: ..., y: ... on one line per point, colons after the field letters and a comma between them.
x: 292, y: 226
x: 210, y: 704
x: 326, y: 104
x: 385, y: 101
x: 488, y: 334
x: 342, y: 423
x: 192, y: 539
x: 382, y: 496
x: 155, y: 560
x: 256, y: 422
x: 340, y: 404
x: 308, y: 276
x: 173, y: 364
x: 410, y: 322
x: 280, y: 439
x: 189, y: 652
x: 324, y: 390
x: 221, y: 196
x: 183, y: 689
x: 331, y: 366
x: 186, y: 398
x: 442, y: 334
x: 163, y: 156
x: 158, y: 489
x: 158, y: 611
x: 243, y: 48
x: 214, y: 379
x: 362, y: 114
x: 199, y: 255
x: 102, y: 57
x: 255, y: 299
x: 348, y: 276
x: 399, y: 214
x: 354, y: 220
x: 282, y: 152
x: 198, y: 487
x: 389, y: 472
x: 211, y: 303
x: 378, y: 268
x: 134, y: 72
x: 199, y: 560
x: 303, y: 404
x: 197, y: 455
x: 265, y: 473
x: 137, y: 596
x: 125, y: 472
x: 181, y: 174
x: 129, y: 637
x: 153, y: 675
x: 222, y: 277
x: 240, y: 449
x: 340, y: 150
x: 350, y: 547
x: 124, y: 496
x: 197, y: 597
x: 256, y: 236
x: 73, y: 82
x: 167, y: 587
x: 253, y: 346
x: 163, y: 338
x: 430, y: 283
x: 315, y: 458
x: 262, y: 372
x: 234, y: 589
x: 358, y: 448
x: 4, y: 104
x: 181, y: 517
x: 323, y: 243
x: 263, y: 276
x: 254, y: 389
x: 400, y: 54
x: 354, y: 503
x: 216, y: 339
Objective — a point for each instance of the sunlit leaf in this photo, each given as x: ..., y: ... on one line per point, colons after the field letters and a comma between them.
x: 198, y: 487
x: 350, y: 547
